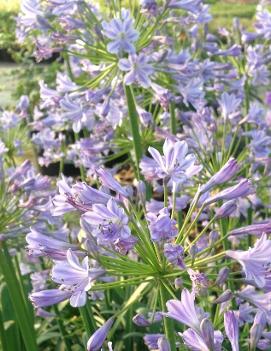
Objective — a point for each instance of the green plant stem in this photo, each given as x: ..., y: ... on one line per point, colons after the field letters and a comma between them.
x: 179, y: 219
x: 4, y: 342
x: 17, y: 298
x: 88, y: 320
x: 203, y: 231
x: 134, y: 125
x: 168, y: 324
x: 186, y: 234
x: 23, y: 289
x: 188, y: 216
x: 62, y: 329
x: 209, y: 259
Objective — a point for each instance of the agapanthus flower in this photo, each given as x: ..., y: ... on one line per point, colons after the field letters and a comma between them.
x: 199, y: 281
x: 30, y: 17
x: 78, y: 197
x: 188, y: 5
x: 232, y: 329
x: 40, y: 242
x: 162, y: 227
x: 196, y: 342
x: 245, y: 313
x: 256, y: 67
x: 76, y: 276
x: 192, y: 92
x: 185, y: 311
x: 110, y: 182
x: 255, y: 260
x: 140, y: 320
x: 149, y: 6
x: 175, y: 164
x: 39, y: 280
x: 23, y: 106
x: 174, y: 254
x: 109, y: 223
x: 121, y: 33
x: 73, y: 112
x: 234, y: 50
x: 260, y: 143
x: 139, y: 69
x: 256, y: 298
x: 45, y: 298
x: 25, y: 178
x: 151, y: 340
x: 163, y: 344
x: 263, y: 22
x: 229, y: 105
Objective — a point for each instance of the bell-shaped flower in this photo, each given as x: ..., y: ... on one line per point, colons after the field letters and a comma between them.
x: 196, y: 342
x: 110, y: 182
x: 185, y: 311
x: 76, y: 276
x: 255, y: 260
x: 49, y: 297
x: 53, y: 245
x: 79, y: 196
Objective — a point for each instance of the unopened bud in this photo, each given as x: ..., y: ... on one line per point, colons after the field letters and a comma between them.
x: 225, y: 296
x: 222, y: 276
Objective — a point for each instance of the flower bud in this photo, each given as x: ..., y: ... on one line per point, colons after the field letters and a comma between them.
x: 256, y: 229
x: 97, y: 339
x: 178, y: 283
x: 243, y: 188
x: 140, y: 320
x: 225, y: 296
x: 141, y: 191
x: 222, y: 176
x: 222, y: 276
x: 226, y: 209
x: 213, y: 237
